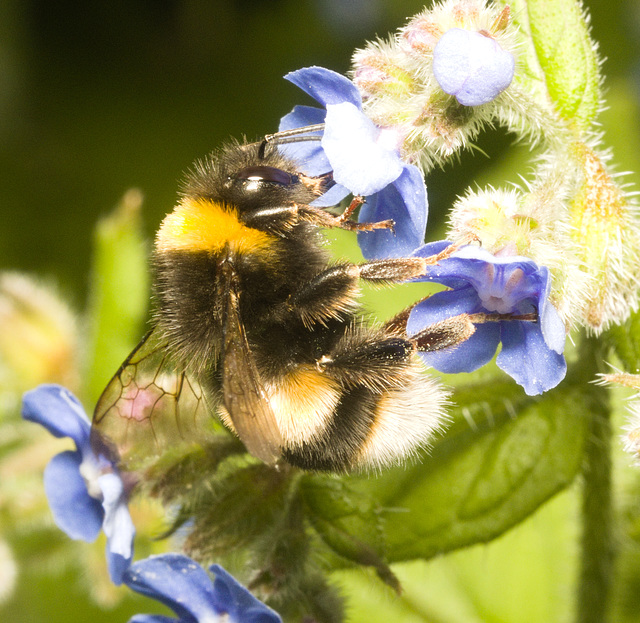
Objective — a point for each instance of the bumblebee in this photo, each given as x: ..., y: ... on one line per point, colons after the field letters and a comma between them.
x: 254, y: 324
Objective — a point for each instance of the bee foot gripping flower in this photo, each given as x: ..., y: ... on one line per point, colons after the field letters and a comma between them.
x: 482, y: 283
x: 364, y: 160
x: 85, y: 492
x: 184, y: 586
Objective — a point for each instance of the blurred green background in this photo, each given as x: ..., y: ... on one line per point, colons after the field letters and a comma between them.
x: 100, y: 97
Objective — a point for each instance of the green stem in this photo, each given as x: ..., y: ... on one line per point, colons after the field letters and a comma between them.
x: 597, y: 547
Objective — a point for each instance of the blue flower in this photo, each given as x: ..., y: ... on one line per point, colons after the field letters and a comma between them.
x: 471, y: 66
x: 483, y: 283
x: 85, y: 492
x: 365, y: 161
x: 184, y: 586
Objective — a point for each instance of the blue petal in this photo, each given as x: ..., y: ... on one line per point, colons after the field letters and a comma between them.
x: 59, y: 411
x: 468, y: 355
x: 117, y: 522
x: 441, y: 306
x: 410, y: 184
x: 526, y: 358
x: 117, y: 526
x: 302, y: 116
x: 326, y: 86
x: 230, y: 596
x: 404, y: 201
x: 431, y: 248
x: 117, y: 566
x: 176, y: 581
x: 551, y: 325
x: 471, y: 66
x: 308, y: 155
x: 456, y: 270
x: 443, y: 272
x: 359, y: 163
x: 75, y: 512
x: 332, y: 197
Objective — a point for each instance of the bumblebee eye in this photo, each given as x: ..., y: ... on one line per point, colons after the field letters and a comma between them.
x: 272, y: 175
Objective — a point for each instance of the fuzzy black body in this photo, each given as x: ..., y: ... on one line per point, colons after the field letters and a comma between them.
x: 248, y: 305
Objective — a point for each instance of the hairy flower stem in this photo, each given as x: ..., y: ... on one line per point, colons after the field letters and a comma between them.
x: 597, y: 543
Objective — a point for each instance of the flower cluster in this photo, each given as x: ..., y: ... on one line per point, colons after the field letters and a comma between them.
x: 575, y: 220
x: 375, y: 129
x: 417, y: 98
x: 413, y: 101
x: 441, y: 77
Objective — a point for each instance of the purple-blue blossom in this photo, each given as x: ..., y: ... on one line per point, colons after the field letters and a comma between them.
x: 471, y: 66
x: 85, y: 492
x: 364, y: 160
x: 480, y: 282
x: 184, y: 586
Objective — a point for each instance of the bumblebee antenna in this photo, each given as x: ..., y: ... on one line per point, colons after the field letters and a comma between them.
x: 296, y: 135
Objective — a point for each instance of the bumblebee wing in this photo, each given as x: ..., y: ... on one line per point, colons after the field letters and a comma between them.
x: 243, y: 392
x: 148, y: 406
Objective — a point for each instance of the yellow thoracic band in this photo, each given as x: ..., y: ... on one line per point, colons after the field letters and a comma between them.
x: 206, y: 225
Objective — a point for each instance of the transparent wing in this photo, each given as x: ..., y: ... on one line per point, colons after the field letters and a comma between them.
x: 149, y: 406
x: 243, y: 392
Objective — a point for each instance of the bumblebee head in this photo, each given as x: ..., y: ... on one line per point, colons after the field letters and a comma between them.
x: 247, y: 176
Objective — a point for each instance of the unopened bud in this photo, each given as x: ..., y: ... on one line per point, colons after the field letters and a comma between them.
x: 459, y: 48
x: 380, y: 70
x: 472, y: 66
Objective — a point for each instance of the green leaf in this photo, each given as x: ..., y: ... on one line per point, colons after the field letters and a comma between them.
x: 482, y: 479
x: 119, y: 292
x: 568, y: 59
x: 349, y: 522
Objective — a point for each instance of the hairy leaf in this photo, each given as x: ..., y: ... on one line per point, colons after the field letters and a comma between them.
x: 567, y: 57
x: 491, y: 470
x: 349, y: 522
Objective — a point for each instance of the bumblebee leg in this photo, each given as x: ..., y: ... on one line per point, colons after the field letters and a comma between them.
x: 448, y: 332
x: 282, y: 218
x: 321, y: 218
x: 400, y: 269
x: 369, y: 358
x: 356, y: 202
x: 444, y: 334
x: 334, y: 291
